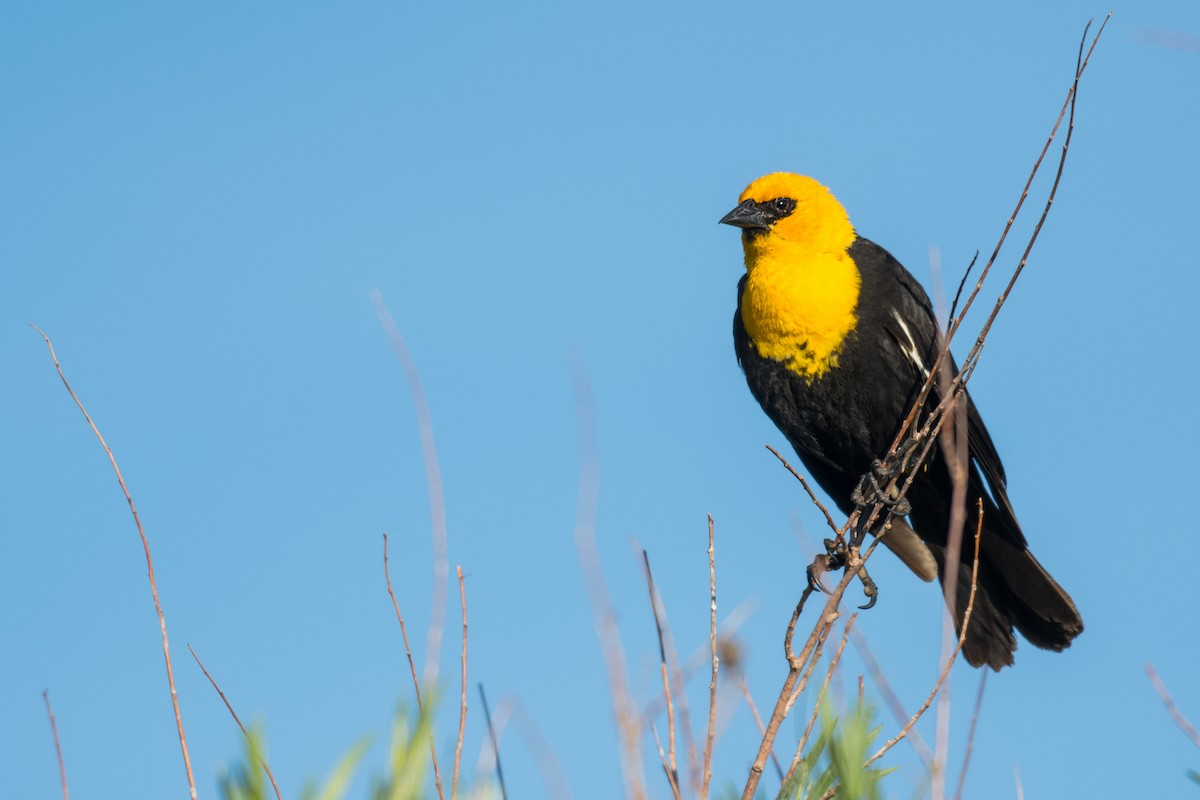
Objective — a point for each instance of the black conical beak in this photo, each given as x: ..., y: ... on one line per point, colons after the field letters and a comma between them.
x: 748, y: 215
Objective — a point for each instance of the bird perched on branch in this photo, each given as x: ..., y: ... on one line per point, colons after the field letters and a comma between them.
x: 836, y: 340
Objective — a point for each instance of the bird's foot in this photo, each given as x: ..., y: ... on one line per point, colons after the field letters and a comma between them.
x: 837, y: 556
x: 874, y: 490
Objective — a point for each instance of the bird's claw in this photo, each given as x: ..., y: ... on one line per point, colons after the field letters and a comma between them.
x: 870, y: 492
x: 835, y: 557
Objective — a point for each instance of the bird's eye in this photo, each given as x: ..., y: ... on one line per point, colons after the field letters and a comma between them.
x: 783, y: 205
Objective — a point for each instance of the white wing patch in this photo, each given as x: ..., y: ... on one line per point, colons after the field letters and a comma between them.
x: 914, y: 355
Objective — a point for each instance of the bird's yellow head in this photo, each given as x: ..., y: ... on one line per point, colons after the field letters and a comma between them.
x: 784, y: 211
x: 799, y: 297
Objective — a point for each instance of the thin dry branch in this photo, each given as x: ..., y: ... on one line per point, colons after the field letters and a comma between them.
x: 669, y: 763
x: 812, y: 720
x: 962, y: 773
x: 462, y: 709
x: 554, y: 780
x: 487, y: 715
x: 433, y: 478
x: 62, y: 767
x: 710, y: 733
x: 162, y: 622
x: 602, y: 612
x: 668, y: 769
x: 1188, y: 729
x: 796, y: 664
x: 412, y: 668
x: 262, y: 758
x: 890, y: 699
x: 962, y: 637
x: 762, y: 729
x: 828, y: 517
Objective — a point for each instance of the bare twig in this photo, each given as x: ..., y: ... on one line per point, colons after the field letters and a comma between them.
x: 433, y: 477
x: 549, y: 767
x: 962, y: 773
x: 762, y: 729
x: 833, y: 662
x: 668, y: 769
x: 487, y: 715
x: 712, y: 643
x: 828, y: 517
x: 412, y: 667
x: 262, y: 758
x: 462, y: 709
x: 162, y: 622
x: 1188, y: 729
x: 598, y: 595
x: 62, y: 767
x: 962, y: 637
x: 669, y: 762
x: 811, y: 650
x: 950, y: 318
x: 890, y: 698
x: 1068, y: 105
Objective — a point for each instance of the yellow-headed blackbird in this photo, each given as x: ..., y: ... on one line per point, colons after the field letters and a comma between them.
x: 836, y: 339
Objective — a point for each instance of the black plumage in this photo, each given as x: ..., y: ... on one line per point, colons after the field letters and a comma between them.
x: 841, y: 420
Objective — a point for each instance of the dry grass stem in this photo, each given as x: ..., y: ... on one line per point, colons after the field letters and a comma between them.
x: 433, y: 478
x: 890, y: 699
x: 812, y: 720
x: 412, y: 668
x: 828, y: 517
x: 611, y: 649
x: 667, y: 646
x: 162, y: 622
x: 669, y: 762
x: 462, y: 708
x: 62, y: 766
x: 762, y: 729
x: 668, y: 769
x: 544, y: 758
x: 962, y: 773
x: 1188, y: 729
x: 949, y: 661
x: 487, y: 715
x: 262, y: 758
x: 711, y: 731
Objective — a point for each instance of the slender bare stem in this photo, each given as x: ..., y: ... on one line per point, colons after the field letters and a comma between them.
x: 462, y: 709
x: 833, y: 662
x: 668, y: 770
x: 412, y: 667
x: 262, y: 758
x: 828, y: 517
x: 62, y: 766
x: 962, y: 773
x: 544, y: 758
x: 712, y: 643
x: 162, y: 622
x: 433, y: 477
x: 762, y: 729
x: 1188, y: 729
x: 890, y: 698
x: 487, y: 715
x: 598, y: 595
x: 669, y: 763
x: 950, y: 661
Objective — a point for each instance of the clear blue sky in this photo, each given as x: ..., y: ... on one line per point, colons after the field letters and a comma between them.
x: 197, y: 201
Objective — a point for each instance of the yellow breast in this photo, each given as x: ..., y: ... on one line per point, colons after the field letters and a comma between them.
x: 798, y: 307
